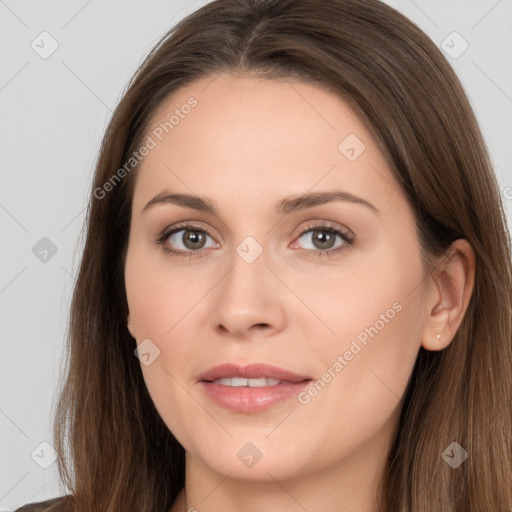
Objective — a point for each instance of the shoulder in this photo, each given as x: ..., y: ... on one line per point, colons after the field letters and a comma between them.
x: 60, y: 504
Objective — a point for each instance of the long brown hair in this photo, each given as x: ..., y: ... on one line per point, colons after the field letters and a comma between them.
x: 115, y: 452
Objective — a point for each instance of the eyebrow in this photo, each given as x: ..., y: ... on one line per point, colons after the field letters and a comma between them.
x: 284, y: 206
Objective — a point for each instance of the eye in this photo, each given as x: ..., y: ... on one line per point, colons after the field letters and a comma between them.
x: 188, y: 239
x: 323, y: 236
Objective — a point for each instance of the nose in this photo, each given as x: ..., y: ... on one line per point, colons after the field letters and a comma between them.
x: 249, y: 299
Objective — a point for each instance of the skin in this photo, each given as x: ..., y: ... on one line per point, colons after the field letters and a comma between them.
x: 249, y: 143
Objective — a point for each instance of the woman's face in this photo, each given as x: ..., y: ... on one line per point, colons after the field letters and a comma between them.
x: 266, y: 277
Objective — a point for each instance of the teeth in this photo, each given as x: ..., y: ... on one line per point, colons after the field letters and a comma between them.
x: 253, y: 383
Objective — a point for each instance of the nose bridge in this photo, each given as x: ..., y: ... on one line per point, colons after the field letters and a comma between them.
x: 248, y: 275
x: 246, y: 295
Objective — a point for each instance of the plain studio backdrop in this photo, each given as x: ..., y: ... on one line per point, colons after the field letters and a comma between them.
x: 64, y: 65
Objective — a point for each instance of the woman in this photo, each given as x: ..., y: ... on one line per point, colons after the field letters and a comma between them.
x: 295, y: 289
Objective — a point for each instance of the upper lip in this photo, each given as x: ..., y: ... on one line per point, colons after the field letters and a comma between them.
x: 251, y: 371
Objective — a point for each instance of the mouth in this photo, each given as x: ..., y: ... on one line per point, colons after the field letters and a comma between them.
x: 252, y: 388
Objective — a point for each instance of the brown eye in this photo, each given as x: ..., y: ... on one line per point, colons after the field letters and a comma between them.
x: 323, y: 239
x: 185, y: 240
x: 193, y: 239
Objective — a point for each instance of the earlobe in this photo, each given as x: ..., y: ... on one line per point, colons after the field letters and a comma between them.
x: 448, y: 301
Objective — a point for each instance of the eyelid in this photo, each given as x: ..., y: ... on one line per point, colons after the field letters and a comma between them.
x: 326, y: 225
x: 189, y: 225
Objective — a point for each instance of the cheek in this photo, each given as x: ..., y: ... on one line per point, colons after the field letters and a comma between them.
x: 376, y: 315
x: 372, y: 297
x: 158, y: 294
x: 160, y: 300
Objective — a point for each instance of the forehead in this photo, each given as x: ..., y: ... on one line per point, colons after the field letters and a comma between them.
x: 252, y: 138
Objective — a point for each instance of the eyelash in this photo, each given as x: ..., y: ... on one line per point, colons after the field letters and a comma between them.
x: 323, y: 226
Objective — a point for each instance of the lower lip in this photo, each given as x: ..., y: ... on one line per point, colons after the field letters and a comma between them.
x: 250, y: 400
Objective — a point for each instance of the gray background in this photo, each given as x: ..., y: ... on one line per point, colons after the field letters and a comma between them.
x: 53, y: 113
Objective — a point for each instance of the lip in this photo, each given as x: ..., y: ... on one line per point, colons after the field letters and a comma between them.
x: 248, y: 399
x: 251, y: 371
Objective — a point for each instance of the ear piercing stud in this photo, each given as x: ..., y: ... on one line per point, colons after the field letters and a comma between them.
x: 438, y: 336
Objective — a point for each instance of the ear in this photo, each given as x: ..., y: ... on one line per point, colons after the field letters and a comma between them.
x: 448, y: 296
x: 130, y: 326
